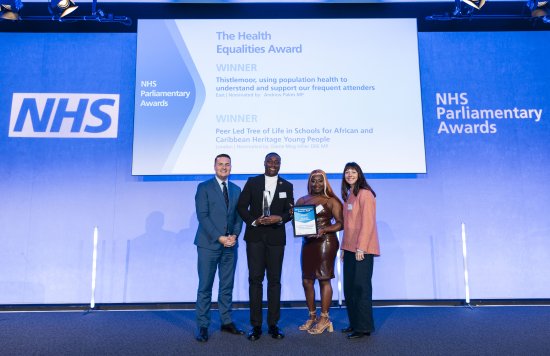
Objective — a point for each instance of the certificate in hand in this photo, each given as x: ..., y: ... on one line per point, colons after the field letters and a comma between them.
x: 304, y: 220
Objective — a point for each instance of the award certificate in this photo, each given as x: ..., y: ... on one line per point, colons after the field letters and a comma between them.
x: 304, y: 220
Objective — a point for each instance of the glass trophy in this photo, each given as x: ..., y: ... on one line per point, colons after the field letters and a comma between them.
x: 265, y: 204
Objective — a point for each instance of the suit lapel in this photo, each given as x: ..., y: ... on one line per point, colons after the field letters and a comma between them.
x: 218, y: 191
x: 277, y: 193
x: 261, y: 188
x: 257, y: 185
x: 233, y: 196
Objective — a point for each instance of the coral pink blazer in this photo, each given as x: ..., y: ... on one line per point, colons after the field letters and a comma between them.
x: 360, y: 230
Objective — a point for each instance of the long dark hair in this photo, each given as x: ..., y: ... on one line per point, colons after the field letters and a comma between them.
x: 361, y: 181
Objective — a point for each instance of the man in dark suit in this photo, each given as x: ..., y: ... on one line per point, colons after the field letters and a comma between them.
x: 216, y: 240
x: 264, y: 205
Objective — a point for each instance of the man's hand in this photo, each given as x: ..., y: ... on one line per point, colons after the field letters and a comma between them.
x: 268, y: 220
x: 228, y: 241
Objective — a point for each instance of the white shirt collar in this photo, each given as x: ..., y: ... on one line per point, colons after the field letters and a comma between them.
x: 221, y: 181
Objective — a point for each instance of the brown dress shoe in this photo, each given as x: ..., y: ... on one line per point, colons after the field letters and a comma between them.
x: 232, y: 329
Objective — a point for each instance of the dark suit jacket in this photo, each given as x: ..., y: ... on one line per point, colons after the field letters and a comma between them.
x: 250, y: 208
x: 215, y: 219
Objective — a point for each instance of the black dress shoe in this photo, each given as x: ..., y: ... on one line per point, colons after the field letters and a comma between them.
x: 202, y: 336
x: 275, y: 332
x: 347, y: 330
x: 357, y: 335
x: 255, y: 333
x: 232, y: 329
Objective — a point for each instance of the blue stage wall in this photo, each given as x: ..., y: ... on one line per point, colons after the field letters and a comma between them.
x: 54, y: 189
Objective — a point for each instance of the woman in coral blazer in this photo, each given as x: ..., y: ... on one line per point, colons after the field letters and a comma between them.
x: 359, y: 245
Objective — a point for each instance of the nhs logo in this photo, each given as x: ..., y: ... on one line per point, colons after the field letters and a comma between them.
x: 59, y: 115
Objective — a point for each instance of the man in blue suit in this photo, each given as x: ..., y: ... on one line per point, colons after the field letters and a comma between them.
x: 216, y: 240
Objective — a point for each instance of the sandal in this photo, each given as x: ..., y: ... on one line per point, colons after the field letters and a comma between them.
x: 323, y: 324
x: 309, y: 322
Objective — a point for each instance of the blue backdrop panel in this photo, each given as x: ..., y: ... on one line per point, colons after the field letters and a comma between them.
x: 496, y: 183
x: 55, y: 190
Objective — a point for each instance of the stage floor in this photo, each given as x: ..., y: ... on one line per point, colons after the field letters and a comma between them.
x: 495, y: 330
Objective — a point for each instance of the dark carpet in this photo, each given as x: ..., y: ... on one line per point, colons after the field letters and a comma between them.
x: 502, y: 330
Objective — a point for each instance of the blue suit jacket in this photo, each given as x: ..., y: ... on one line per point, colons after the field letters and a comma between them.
x: 215, y: 219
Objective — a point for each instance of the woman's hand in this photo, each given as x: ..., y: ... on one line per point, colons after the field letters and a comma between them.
x: 359, y: 255
x: 320, y: 233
